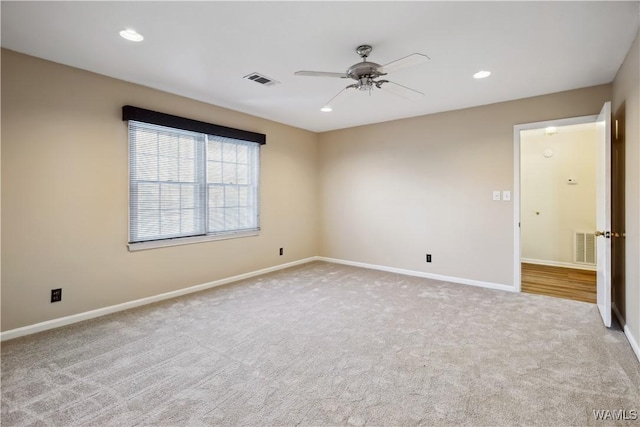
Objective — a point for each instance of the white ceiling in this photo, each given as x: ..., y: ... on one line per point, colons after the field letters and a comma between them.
x: 202, y: 50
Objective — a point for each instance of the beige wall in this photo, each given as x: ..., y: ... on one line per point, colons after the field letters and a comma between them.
x: 551, y: 209
x: 626, y: 89
x: 383, y: 194
x: 65, y: 195
x: 392, y: 192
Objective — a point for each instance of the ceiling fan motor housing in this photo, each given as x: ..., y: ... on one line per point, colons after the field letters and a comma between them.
x: 364, y: 69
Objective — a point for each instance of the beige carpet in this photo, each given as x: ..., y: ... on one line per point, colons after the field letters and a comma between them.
x: 325, y: 344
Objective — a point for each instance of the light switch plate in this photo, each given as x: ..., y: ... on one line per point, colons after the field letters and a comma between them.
x: 506, y: 195
x: 496, y: 195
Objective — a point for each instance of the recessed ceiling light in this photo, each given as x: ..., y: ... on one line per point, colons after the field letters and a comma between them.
x: 131, y: 35
x: 481, y: 74
x: 326, y: 109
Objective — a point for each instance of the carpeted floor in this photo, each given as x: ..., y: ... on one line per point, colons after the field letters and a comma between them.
x: 325, y: 344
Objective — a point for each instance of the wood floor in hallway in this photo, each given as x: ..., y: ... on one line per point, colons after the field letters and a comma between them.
x: 559, y: 282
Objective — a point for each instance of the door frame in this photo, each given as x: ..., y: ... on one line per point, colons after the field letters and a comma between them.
x: 517, y: 279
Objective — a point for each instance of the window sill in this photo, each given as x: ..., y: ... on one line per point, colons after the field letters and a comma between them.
x: 142, y: 246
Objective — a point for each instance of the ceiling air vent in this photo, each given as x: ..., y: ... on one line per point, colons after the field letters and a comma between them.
x: 263, y: 80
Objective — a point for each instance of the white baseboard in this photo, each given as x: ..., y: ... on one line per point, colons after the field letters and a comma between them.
x: 74, y: 318
x: 422, y: 274
x: 559, y: 264
x: 67, y: 320
x: 632, y: 342
x: 627, y: 331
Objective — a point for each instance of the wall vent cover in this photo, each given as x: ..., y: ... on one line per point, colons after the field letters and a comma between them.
x: 263, y: 80
x: 584, y: 248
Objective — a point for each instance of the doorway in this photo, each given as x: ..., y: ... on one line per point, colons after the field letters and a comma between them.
x: 610, y: 177
x: 558, y: 211
x: 541, y: 128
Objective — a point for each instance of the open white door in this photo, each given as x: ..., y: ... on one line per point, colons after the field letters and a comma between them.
x: 603, y: 213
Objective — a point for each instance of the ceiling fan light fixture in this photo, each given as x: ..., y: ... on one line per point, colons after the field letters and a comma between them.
x: 482, y: 74
x: 365, y: 83
x: 326, y: 109
x: 131, y: 35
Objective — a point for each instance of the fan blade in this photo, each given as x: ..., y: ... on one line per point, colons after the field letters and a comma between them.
x: 332, y: 102
x: 407, y: 61
x: 403, y: 91
x: 320, y: 74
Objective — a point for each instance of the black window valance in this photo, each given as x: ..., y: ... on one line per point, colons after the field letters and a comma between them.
x: 148, y: 116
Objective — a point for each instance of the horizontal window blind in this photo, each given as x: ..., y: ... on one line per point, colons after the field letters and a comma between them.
x: 185, y: 183
x: 232, y: 177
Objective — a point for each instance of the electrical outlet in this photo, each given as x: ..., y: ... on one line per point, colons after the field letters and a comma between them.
x: 428, y: 257
x: 281, y: 251
x: 56, y: 295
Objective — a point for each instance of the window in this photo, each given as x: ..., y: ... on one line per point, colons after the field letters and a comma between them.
x: 187, y: 186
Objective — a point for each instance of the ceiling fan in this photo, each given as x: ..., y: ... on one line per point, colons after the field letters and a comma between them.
x: 366, y: 74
